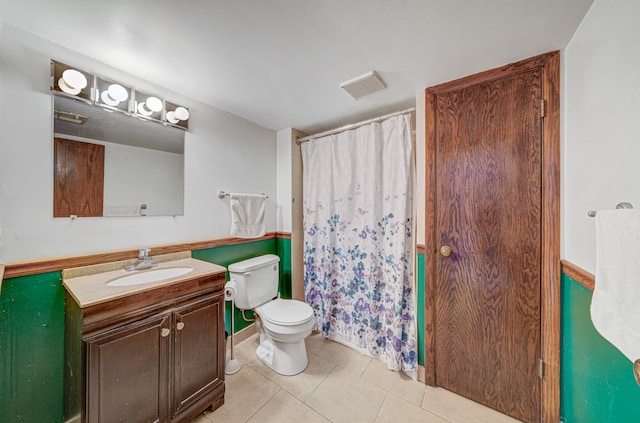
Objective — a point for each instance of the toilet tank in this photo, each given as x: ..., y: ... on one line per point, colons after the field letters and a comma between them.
x: 256, y: 280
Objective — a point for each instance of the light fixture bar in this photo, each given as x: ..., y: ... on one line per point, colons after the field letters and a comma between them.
x: 93, y: 89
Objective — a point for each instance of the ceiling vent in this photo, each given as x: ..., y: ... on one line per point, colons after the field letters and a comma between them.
x: 363, y: 85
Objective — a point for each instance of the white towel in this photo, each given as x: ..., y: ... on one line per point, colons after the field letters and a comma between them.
x: 247, y: 215
x: 615, y: 306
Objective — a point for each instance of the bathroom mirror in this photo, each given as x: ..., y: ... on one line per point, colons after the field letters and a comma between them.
x: 138, y: 169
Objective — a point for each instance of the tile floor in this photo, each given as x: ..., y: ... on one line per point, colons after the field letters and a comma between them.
x: 339, y: 385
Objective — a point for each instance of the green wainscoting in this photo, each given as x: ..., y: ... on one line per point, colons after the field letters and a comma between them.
x: 32, y: 349
x: 284, y: 251
x: 597, y: 383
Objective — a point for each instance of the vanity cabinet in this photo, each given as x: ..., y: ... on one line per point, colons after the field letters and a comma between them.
x: 195, y: 347
x: 127, y: 372
x: 154, y: 356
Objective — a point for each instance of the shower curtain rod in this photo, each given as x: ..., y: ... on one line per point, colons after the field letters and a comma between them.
x: 353, y: 125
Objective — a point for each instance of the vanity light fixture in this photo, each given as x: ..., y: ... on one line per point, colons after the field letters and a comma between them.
x: 154, y: 104
x: 177, y: 115
x: 148, y: 106
x: 143, y: 110
x: 113, y: 96
x: 71, y: 82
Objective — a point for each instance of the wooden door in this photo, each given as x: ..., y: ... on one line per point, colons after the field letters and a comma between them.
x: 487, y: 201
x: 199, y: 351
x: 78, y: 185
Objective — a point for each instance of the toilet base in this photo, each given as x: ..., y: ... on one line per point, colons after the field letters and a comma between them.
x: 288, y: 359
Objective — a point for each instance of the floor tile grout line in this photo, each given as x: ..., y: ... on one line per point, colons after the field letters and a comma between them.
x: 311, y: 408
x: 323, y: 379
x: 346, y: 369
x: 368, y: 364
x: 318, y: 385
x: 397, y: 394
x: 431, y: 411
x: 267, y: 402
x: 386, y: 394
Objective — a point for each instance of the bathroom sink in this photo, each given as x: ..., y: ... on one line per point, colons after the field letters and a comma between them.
x: 150, y: 276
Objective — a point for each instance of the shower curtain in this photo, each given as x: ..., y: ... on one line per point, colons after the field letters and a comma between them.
x: 358, y: 245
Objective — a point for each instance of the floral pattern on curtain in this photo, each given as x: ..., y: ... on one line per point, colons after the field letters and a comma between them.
x: 358, y: 239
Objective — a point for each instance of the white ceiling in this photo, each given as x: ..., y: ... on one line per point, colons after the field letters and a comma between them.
x: 279, y: 63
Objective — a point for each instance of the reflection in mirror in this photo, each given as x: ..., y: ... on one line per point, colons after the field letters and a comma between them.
x: 110, y: 164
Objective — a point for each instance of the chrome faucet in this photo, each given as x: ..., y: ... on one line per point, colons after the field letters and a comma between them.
x: 144, y: 261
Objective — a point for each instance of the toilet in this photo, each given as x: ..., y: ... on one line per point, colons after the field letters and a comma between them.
x: 282, y: 324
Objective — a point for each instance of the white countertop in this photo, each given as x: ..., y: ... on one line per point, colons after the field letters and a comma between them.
x: 92, y: 289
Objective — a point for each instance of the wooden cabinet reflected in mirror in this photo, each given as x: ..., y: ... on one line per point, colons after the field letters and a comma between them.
x: 78, y: 175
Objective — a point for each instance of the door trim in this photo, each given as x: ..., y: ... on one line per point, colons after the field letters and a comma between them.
x: 549, y: 63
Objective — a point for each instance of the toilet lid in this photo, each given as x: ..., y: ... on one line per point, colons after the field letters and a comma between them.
x: 285, y: 312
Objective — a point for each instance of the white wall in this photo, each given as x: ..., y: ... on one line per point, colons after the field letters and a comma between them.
x: 135, y: 176
x: 421, y: 172
x: 285, y: 194
x: 222, y: 152
x: 602, y: 122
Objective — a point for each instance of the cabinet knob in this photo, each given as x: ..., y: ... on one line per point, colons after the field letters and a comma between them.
x: 179, y: 325
x: 165, y: 332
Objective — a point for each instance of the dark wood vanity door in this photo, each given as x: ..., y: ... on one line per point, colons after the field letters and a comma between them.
x: 199, y: 351
x: 127, y: 372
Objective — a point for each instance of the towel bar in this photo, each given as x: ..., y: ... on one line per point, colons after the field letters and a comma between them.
x: 624, y: 205
x: 222, y: 194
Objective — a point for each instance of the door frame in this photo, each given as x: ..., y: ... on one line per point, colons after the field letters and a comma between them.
x: 549, y: 63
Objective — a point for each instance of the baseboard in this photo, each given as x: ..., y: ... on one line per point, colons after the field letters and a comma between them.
x: 75, y: 419
x: 421, y: 374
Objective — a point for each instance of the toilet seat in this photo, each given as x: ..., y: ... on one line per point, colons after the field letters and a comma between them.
x: 285, y: 312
